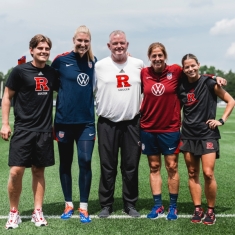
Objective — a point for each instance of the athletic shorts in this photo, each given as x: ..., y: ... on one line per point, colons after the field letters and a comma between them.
x: 29, y: 148
x: 160, y: 143
x: 200, y: 147
x: 67, y: 133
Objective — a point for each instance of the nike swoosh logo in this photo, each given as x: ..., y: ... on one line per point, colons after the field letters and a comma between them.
x: 91, y: 134
x: 171, y: 148
x: 67, y: 65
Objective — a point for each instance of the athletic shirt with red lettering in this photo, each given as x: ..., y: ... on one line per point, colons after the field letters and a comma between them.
x: 118, y: 89
x: 160, y: 109
x: 33, y: 96
x: 199, y: 105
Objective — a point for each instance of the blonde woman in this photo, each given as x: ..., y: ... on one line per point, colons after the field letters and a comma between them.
x: 74, y: 119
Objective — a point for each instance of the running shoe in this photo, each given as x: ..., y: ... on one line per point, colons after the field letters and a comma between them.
x: 68, y: 212
x: 209, y: 218
x: 156, y: 212
x: 131, y: 211
x: 84, y: 216
x: 172, y: 213
x: 106, y: 212
x: 198, y: 215
x: 38, y: 218
x: 13, y: 220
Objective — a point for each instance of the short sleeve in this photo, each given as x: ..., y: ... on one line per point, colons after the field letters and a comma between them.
x: 14, y: 80
x: 211, y: 84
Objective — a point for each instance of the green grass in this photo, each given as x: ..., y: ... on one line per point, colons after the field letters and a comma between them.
x: 54, y: 204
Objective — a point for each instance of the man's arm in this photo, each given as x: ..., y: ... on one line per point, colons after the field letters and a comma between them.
x: 6, y: 105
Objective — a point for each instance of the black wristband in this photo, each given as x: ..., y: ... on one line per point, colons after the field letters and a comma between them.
x: 221, y: 121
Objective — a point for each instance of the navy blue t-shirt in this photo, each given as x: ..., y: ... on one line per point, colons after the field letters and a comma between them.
x: 75, y: 101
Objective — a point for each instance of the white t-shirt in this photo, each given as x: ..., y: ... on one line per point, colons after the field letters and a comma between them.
x: 118, y: 89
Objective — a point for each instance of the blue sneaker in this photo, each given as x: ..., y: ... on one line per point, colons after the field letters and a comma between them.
x: 68, y: 212
x: 156, y: 212
x: 172, y: 213
x: 84, y: 217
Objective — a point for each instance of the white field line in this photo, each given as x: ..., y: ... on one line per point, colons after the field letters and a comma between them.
x: 118, y: 216
x: 228, y: 132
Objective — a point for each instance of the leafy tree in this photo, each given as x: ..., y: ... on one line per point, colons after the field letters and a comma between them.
x: 49, y: 62
x: 7, y: 75
x: 230, y: 77
x: 1, y: 76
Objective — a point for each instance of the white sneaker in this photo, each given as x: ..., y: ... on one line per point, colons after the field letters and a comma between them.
x: 38, y: 218
x: 14, y: 219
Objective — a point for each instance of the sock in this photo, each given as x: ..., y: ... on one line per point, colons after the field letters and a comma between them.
x: 157, y: 200
x: 69, y: 204
x: 210, y: 208
x: 173, y: 199
x: 83, y: 205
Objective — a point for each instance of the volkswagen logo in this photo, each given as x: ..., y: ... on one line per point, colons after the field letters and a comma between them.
x: 158, y: 89
x: 83, y: 79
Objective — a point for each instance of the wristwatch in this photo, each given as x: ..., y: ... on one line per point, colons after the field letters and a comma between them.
x: 221, y: 121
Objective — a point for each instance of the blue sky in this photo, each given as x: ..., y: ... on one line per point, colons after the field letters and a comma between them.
x: 205, y: 28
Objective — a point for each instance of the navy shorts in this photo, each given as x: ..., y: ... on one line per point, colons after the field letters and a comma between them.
x: 29, y: 148
x: 200, y: 147
x: 66, y: 133
x: 160, y: 143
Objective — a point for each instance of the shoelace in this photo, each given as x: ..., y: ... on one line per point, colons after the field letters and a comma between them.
x: 172, y: 210
x: 197, y: 211
x: 67, y: 209
x: 39, y: 214
x: 83, y: 212
x: 210, y: 214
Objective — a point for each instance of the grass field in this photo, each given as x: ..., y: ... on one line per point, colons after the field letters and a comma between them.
x: 120, y: 223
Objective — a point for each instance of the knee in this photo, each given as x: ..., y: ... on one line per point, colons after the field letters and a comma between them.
x: 16, y: 172
x: 172, y: 168
x: 193, y: 174
x: 154, y: 167
x: 84, y: 163
x: 38, y: 171
x: 208, y: 175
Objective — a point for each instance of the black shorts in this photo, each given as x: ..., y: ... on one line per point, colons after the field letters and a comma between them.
x: 200, y: 147
x: 29, y: 148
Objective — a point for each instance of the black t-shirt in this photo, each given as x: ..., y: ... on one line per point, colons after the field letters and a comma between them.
x: 33, y: 97
x: 199, y: 105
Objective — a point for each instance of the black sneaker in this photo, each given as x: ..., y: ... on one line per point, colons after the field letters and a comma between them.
x: 131, y: 211
x: 209, y: 218
x: 198, y: 215
x: 106, y: 212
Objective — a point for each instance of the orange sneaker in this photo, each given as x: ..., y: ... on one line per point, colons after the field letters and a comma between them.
x: 84, y: 217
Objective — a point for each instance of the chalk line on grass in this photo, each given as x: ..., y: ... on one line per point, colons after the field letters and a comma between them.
x: 117, y: 216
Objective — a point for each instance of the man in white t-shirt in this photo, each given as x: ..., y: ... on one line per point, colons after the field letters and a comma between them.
x: 118, y: 98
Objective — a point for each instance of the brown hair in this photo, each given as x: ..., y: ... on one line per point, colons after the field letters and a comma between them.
x: 39, y: 38
x: 84, y: 29
x: 154, y: 45
x: 187, y: 57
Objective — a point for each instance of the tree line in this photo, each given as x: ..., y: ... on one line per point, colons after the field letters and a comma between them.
x: 229, y: 76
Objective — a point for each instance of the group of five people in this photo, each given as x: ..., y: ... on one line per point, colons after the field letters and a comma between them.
x: 138, y: 108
